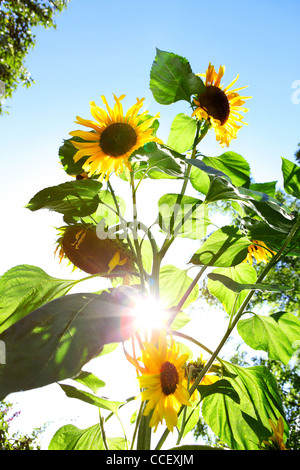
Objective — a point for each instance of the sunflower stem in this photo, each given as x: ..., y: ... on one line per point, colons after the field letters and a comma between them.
x: 135, y: 234
x: 168, y: 241
x: 101, y: 420
x: 144, y: 434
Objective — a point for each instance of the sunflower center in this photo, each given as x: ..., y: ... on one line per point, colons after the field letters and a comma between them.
x: 215, y: 102
x: 117, y: 139
x: 169, y: 378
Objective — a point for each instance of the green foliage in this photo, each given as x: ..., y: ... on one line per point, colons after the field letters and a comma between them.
x: 172, y: 79
x: 25, y: 288
x: 244, y: 425
x: 53, y: 342
x: 74, y: 198
x: 276, y: 334
x: 224, y: 247
x: 15, y: 441
x: 16, y: 37
x: 50, y: 333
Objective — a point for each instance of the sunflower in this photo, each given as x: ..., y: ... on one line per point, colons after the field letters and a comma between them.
x: 161, y: 379
x: 114, y: 137
x: 81, y: 246
x: 220, y: 106
x: 259, y: 251
x: 275, y: 442
x: 192, y: 371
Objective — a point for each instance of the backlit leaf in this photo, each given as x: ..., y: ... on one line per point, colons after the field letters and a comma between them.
x: 242, y: 426
x: 172, y: 79
x: 224, y: 247
x: 276, y: 334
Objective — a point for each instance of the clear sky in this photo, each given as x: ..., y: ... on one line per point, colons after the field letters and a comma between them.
x: 108, y: 47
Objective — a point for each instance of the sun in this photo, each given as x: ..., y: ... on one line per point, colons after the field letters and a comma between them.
x: 150, y: 314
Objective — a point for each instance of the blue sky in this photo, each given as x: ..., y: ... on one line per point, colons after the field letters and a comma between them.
x: 108, y: 47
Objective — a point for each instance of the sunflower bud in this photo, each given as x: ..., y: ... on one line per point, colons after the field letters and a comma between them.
x: 81, y: 246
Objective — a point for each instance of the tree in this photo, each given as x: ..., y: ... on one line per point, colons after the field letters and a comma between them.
x: 15, y: 441
x: 297, y: 154
x: 17, y: 18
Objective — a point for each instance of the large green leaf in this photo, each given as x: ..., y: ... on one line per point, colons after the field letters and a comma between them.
x: 229, y: 299
x: 89, y: 380
x: 231, y: 164
x: 173, y: 283
x: 291, y: 177
x: 202, y: 175
x: 224, y: 247
x: 53, y: 342
x: 69, y: 437
x: 242, y: 426
x: 277, y: 334
x: 73, y: 198
x: 73, y: 392
x: 274, y: 239
x: 183, y: 216
x: 269, y: 187
x: 25, y: 288
x: 182, y: 134
x: 172, y: 79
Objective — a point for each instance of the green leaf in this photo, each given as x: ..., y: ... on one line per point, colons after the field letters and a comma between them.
x: 172, y: 79
x: 261, y: 230
x: 174, y: 282
x: 107, y: 208
x: 242, y: 426
x: 74, y: 198
x: 182, y: 134
x: 53, y: 342
x: 275, y: 334
x: 222, y: 386
x: 224, y: 247
x: 268, y: 188
x: 240, y: 273
x: 70, y: 437
x: 239, y: 287
x: 157, y: 162
x: 231, y: 164
x: 191, y: 418
x: 183, y: 216
x: 73, y: 392
x: 180, y: 321
x: 66, y: 153
x: 89, y: 380
x: 291, y: 177
x: 25, y: 288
